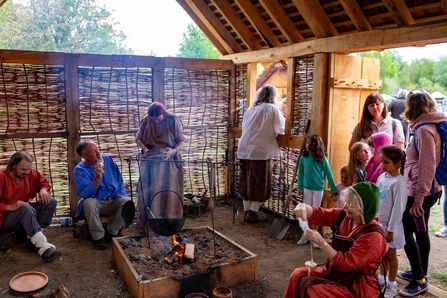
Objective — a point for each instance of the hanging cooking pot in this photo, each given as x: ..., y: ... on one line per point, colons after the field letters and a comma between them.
x: 162, y: 225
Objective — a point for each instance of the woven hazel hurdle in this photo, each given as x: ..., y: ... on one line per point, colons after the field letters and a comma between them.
x: 49, y: 101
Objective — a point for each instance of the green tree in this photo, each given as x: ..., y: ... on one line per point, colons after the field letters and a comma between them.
x: 12, y: 23
x: 390, y: 65
x: 440, y: 71
x: 196, y: 45
x: 72, y: 26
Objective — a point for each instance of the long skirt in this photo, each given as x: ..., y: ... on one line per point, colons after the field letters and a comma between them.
x: 323, y: 289
x: 255, y: 180
x: 160, y: 190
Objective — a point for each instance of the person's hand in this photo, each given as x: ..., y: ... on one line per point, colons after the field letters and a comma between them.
x: 301, y: 211
x: 99, y: 170
x: 334, y: 196
x: 16, y: 205
x: 44, y: 197
x: 314, y: 237
x: 416, y: 210
x: 389, y: 237
x: 168, y: 152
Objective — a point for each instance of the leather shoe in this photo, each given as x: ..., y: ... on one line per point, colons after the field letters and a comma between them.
x: 100, y: 244
x: 253, y: 216
x: 51, y: 254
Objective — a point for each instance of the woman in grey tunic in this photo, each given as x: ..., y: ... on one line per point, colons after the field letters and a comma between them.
x: 160, y: 138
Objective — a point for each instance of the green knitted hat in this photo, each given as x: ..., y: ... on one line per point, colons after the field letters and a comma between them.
x: 368, y: 194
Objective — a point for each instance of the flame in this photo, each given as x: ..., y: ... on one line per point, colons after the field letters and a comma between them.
x: 178, y: 250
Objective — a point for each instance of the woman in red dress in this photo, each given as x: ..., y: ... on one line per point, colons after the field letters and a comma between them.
x: 357, y: 248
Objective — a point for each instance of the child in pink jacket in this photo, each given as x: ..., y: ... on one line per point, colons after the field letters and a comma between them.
x: 373, y: 168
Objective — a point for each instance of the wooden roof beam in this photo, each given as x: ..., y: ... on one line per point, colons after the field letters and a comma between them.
x: 316, y: 18
x: 254, y: 17
x: 214, y: 25
x: 282, y: 20
x: 399, y: 11
x: 219, y: 46
x: 444, y: 5
x: 238, y: 25
x: 2, y: 2
x: 356, y: 15
x: 354, y: 42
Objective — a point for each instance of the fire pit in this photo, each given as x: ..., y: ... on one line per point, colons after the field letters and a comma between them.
x: 174, y: 266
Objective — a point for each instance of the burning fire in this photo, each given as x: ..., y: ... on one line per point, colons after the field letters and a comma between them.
x: 178, y: 250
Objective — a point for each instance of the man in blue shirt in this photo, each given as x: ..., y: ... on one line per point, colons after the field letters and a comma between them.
x: 100, y: 185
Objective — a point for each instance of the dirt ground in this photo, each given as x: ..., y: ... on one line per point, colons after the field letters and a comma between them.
x: 87, y: 272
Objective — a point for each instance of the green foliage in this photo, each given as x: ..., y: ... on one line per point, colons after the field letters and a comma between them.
x: 196, y: 45
x: 440, y: 72
x: 390, y: 63
x: 420, y: 73
x: 71, y: 26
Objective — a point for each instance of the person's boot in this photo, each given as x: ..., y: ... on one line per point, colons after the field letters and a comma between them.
x: 253, y: 216
x: 47, y: 251
x: 51, y: 254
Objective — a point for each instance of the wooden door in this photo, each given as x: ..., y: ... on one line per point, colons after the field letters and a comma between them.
x: 351, y: 80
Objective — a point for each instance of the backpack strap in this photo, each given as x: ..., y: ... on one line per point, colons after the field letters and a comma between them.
x: 413, y: 134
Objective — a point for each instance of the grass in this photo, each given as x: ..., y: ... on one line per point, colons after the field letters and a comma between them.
x: 436, y: 220
x: 439, y: 275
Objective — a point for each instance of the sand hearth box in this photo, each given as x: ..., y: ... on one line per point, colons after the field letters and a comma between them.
x: 152, y: 269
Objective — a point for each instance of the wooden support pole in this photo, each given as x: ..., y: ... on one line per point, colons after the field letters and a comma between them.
x: 73, y: 122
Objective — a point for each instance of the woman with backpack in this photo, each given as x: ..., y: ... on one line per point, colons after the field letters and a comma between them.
x: 423, y: 157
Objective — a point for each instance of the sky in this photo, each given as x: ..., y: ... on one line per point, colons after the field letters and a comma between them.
x: 156, y: 27
x: 152, y: 26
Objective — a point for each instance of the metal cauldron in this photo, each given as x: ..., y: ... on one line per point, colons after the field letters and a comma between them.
x: 165, y: 226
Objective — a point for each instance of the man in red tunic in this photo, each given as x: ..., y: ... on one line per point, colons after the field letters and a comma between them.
x: 356, y: 252
x: 19, y: 183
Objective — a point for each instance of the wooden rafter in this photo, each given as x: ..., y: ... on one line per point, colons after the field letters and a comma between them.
x: 354, y: 42
x: 238, y: 25
x: 356, y: 15
x: 316, y: 18
x: 282, y: 20
x: 2, y: 2
x: 399, y: 12
x: 444, y: 5
x: 204, y: 28
x: 214, y: 25
x: 258, y: 22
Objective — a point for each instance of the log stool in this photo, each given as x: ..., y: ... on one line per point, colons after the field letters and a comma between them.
x: 81, y: 231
